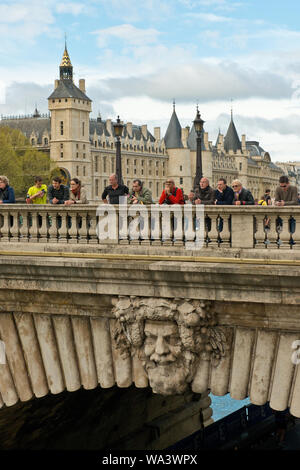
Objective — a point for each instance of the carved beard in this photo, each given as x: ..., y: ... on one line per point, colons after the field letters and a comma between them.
x: 172, y: 378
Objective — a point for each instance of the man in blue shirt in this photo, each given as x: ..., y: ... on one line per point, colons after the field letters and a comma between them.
x: 224, y: 194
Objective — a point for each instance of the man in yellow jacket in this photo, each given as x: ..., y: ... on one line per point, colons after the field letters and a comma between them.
x: 37, y: 194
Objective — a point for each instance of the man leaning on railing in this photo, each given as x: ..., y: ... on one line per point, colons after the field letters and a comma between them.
x: 7, y: 194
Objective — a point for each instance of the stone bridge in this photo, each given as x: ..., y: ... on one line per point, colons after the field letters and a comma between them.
x: 79, y: 312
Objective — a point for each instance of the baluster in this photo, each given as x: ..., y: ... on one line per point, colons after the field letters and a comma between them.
x: 43, y: 222
x: 155, y: 225
x: 213, y: 232
x: 145, y: 222
x: 272, y: 233
x: 260, y: 234
x: 225, y: 233
x: 63, y: 221
x: 189, y: 229
x: 24, y: 226
x: 92, y: 234
x: 134, y: 226
x: 33, y: 227
x: 285, y: 232
x: 123, y: 224
x: 167, y: 221
x: 14, y: 230
x: 83, y: 227
x: 5, y: 229
x: 72, y: 229
x: 53, y: 226
x: 296, y: 234
x: 177, y: 226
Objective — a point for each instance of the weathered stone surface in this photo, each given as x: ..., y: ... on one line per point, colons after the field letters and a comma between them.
x: 169, y: 337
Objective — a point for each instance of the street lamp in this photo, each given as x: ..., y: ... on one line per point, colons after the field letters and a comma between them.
x: 198, y: 125
x: 118, y: 128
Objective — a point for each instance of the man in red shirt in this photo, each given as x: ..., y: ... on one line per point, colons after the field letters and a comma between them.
x: 171, y: 194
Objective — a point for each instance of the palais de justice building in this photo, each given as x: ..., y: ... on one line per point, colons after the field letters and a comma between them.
x: 85, y: 148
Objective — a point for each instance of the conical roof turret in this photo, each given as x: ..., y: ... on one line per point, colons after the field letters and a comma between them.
x: 173, y: 135
x: 231, y: 140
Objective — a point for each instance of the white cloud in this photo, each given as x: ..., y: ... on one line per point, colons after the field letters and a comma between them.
x: 126, y: 32
x: 209, y: 17
x: 203, y: 81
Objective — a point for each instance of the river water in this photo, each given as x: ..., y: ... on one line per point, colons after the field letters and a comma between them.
x: 223, y: 406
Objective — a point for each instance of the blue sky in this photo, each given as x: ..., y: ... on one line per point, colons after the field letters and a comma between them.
x: 137, y: 57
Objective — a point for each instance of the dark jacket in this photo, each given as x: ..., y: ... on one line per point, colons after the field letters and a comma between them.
x: 113, y: 194
x: 7, y: 195
x: 206, y: 195
x: 226, y: 197
x: 62, y: 194
x: 245, y: 197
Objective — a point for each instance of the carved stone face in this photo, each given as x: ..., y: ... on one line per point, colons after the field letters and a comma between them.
x: 162, y: 344
x: 166, y: 364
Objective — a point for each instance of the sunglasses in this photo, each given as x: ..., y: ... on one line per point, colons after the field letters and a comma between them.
x: 283, y: 185
x: 235, y: 186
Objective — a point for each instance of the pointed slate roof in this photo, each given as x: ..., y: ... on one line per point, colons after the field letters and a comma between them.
x: 67, y: 89
x: 173, y: 135
x: 231, y: 140
x: 192, y: 139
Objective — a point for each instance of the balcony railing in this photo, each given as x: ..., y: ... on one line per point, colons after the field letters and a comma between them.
x: 228, y: 226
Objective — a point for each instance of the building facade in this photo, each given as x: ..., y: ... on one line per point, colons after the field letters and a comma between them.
x: 86, y: 148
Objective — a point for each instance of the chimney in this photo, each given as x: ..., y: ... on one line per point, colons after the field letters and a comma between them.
x: 184, y: 135
x: 56, y: 82
x: 221, y: 142
x: 82, y: 85
x: 144, y: 130
x: 157, y: 133
x: 129, y: 128
x: 206, y: 144
x: 244, y: 143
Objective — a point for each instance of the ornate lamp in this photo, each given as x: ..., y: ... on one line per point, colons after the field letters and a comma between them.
x: 198, y: 126
x: 118, y: 129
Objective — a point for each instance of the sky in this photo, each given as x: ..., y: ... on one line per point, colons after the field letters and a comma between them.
x: 137, y: 57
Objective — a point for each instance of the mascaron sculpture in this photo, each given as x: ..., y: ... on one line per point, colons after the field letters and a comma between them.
x: 170, y: 337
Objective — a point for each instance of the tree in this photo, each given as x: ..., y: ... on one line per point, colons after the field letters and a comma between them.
x: 20, y: 162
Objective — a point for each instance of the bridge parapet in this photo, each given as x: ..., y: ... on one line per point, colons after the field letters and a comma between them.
x: 191, y: 227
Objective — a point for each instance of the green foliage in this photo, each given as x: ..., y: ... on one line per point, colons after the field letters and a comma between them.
x: 20, y: 162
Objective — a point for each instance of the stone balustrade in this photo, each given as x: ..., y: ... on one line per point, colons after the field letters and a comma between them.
x: 227, y: 226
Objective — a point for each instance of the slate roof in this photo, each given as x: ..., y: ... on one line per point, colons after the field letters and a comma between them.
x: 231, y: 140
x: 254, y: 148
x: 173, y: 135
x: 252, y: 162
x: 100, y: 127
x: 27, y: 125
x: 67, y: 89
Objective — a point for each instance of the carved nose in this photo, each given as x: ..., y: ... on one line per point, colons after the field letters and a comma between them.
x: 161, y: 346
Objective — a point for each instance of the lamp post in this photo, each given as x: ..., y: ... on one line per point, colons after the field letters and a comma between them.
x: 118, y: 128
x: 198, y: 125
